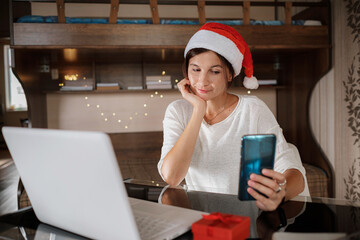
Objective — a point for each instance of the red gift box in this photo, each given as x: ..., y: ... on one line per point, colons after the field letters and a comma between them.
x: 221, y: 226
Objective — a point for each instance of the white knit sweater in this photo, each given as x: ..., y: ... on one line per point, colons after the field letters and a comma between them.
x: 215, y: 163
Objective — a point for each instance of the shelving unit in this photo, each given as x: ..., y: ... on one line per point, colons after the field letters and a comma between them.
x: 297, y: 56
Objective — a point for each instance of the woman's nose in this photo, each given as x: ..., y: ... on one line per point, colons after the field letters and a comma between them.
x: 203, y: 79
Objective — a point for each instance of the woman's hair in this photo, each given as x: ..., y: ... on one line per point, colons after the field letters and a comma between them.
x: 196, y: 51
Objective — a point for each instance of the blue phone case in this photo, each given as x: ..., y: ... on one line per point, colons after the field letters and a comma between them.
x: 257, y: 153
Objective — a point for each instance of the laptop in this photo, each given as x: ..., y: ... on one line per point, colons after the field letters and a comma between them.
x: 74, y: 183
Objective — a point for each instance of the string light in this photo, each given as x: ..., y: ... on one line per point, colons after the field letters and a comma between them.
x: 163, y: 73
x: 119, y: 121
x: 249, y: 92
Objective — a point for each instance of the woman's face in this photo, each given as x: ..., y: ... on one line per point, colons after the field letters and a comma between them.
x: 208, y: 76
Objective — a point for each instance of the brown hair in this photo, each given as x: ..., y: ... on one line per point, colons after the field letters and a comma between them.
x: 196, y: 51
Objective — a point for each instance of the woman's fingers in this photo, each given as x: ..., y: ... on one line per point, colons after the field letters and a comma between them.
x: 183, y: 86
x: 272, y: 185
x: 262, y: 188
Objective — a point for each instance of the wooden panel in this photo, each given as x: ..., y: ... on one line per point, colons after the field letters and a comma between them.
x: 201, y: 11
x: 246, y: 13
x: 288, y: 13
x: 114, y: 9
x: 61, y: 11
x: 154, y: 11
x: 301, y: 72
x: 109, y: 36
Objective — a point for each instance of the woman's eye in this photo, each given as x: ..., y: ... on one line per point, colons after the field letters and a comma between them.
x: 215, y: 72
x: 196, y: 69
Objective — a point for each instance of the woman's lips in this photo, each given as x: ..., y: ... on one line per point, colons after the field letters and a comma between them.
x: 202, y: 91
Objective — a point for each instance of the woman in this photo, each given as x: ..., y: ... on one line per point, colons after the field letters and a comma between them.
x: 202, y: 131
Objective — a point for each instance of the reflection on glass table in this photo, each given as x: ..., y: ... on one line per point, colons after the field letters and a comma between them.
x: 314, y: 216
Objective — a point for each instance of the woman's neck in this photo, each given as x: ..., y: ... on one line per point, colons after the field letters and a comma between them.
x: 215, y: 105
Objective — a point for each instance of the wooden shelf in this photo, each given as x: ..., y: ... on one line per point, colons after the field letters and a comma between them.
x: 42, y: 35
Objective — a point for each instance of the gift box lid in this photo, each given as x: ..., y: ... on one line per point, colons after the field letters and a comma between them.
x: 224, y: 226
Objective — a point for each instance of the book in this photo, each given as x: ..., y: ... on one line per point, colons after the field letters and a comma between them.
x: 159, y: 86
x: 267, y: 82
x: 107, y: 86
x: 134, y: 87
x: 157, y: 78
x: 76, y: 88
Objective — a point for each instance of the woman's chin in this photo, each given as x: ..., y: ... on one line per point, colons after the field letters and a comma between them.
x: 204, y: 97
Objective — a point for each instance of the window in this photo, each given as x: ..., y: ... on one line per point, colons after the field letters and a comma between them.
x: 15, y: 96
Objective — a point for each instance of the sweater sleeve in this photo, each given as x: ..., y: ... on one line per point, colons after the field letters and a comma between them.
x: 172, y: 130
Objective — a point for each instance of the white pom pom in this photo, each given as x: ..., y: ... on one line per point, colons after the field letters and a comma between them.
x: 251, y: 83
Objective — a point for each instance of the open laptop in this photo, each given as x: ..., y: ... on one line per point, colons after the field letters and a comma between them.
x: 74, y: 183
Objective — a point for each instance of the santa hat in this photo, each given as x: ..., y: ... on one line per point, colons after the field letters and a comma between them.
x: 227, y: 42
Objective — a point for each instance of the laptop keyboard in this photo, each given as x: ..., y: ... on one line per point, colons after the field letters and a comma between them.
x: 150, y: 227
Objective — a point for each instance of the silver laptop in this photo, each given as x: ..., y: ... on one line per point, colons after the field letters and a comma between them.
x: 74, y: 183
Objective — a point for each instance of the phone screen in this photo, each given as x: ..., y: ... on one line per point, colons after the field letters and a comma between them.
x: 257, y: 153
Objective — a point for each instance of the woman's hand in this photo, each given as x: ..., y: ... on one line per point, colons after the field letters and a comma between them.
x: 185, y: 89
x: 273, y: 186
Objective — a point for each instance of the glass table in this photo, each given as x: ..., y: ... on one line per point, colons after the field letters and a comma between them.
x: 323, y: 218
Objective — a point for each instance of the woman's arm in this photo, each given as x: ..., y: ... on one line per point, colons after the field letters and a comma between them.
x: 177, y: 161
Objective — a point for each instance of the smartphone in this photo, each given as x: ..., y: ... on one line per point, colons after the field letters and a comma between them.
x: 257, y: 153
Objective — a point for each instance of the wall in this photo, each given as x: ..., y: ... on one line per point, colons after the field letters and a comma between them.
x: 347, y: 99
x: 322, y: 115
x: 143, y: 11
x: 138, y: 111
